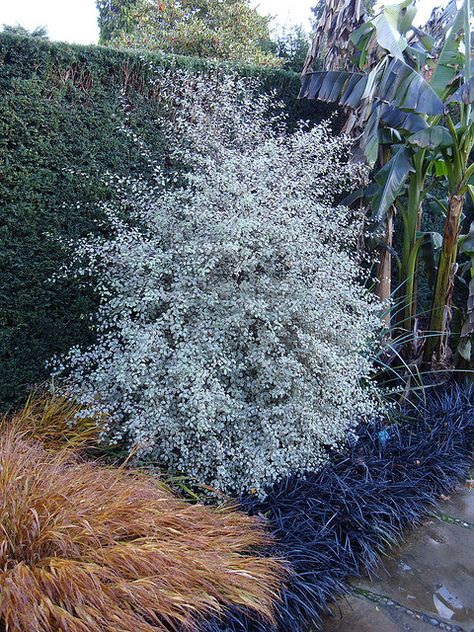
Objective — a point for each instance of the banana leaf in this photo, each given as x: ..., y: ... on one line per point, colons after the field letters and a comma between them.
x: 464, y: 94
x: 399, y: 85
x: 401, y: 120
x: 450, y: 60
x: 391, y: 180
x: 432, y: 137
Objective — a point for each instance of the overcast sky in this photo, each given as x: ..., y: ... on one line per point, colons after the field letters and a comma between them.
x: 76, y: 20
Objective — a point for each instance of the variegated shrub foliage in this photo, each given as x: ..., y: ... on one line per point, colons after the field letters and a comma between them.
x: 233, y: 330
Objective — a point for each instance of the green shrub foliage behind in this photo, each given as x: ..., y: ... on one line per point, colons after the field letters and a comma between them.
x: 60, y: 133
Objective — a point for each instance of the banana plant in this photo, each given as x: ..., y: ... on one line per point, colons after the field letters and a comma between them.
x: 408, y: 98
x: 452, y: 80
x: 390, y: 101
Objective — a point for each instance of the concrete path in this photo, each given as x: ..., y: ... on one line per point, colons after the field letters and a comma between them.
x: 426, y: 585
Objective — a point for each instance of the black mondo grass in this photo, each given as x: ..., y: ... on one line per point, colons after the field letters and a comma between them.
x: 336, y: 523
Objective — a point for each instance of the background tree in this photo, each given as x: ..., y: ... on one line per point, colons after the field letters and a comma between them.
x: 216, y: 29
x: 292, y: 46
x: 40, y: 32
x: 115, y: 18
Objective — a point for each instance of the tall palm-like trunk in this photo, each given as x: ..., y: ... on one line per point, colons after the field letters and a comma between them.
x: 412, y: 242
x: 384, y: 268
x: 441, y: 311
x: 459, y: 174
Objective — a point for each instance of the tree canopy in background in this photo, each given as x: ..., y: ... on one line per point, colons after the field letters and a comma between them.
x: 292, y: 47
x: 217, y: 29
x: 40, y: 32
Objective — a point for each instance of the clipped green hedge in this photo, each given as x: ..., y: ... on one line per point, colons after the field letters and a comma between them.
x: 59, y: 111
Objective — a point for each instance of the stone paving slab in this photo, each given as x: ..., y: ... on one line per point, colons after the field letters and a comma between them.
x: 461, y: 504
x: 360, y: 614
x: 426, y: 584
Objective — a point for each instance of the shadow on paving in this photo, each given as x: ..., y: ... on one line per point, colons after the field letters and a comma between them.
x: 427, y: 584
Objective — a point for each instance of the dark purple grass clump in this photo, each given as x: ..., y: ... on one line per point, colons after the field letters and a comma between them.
x: 335, y: 524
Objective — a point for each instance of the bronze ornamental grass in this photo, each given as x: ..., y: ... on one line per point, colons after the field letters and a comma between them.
x: 88, y: 548
x: 54, y: 420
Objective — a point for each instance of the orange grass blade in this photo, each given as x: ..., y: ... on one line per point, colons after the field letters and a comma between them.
x: 85, y: 548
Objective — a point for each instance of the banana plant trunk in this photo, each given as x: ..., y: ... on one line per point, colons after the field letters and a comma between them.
x: 410, y: 248
x: 384, y: 268
x: 441, y: 311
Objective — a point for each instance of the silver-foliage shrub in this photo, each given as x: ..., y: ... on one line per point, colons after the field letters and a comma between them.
x: 233, y: 330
